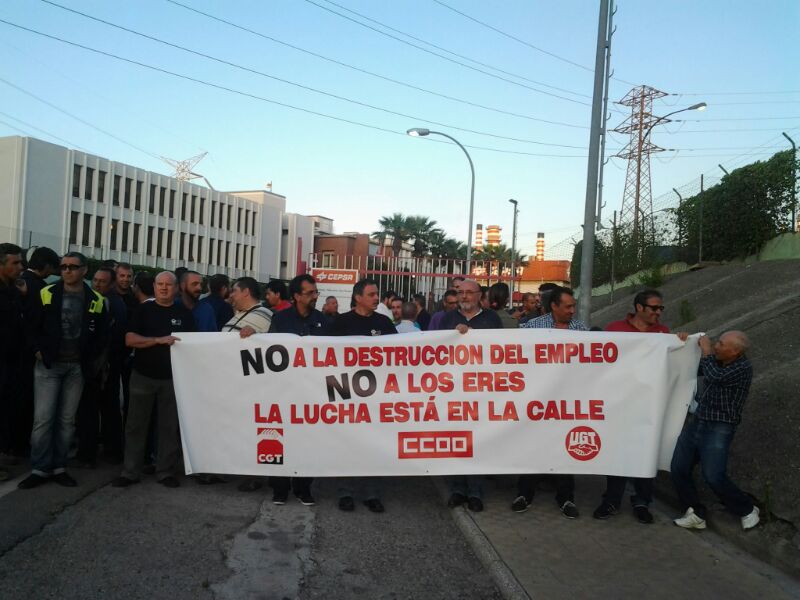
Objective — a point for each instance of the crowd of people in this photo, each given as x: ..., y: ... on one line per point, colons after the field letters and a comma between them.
x: 93, y: 359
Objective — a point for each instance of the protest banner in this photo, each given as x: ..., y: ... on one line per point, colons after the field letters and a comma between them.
x: 489, y: 401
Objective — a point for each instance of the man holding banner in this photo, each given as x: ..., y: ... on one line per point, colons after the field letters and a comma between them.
x: 363, y: 320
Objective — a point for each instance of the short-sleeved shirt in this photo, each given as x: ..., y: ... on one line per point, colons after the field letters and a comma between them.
x: 154, y: 320
x: 548, y: 322
x: 485, y: 319
x: 71, y: 325
x: 352, y: 323
x: 626, y: 325
x: 259, y: 318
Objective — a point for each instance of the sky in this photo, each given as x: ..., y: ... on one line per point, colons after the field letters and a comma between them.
x: 341, y: 151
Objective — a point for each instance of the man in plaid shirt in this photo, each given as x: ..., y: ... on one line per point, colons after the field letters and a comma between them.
x: 708, y: 435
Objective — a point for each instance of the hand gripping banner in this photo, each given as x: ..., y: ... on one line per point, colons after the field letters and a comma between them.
x: 489, y: 401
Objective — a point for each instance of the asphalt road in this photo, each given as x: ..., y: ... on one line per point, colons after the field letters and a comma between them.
x: 146, y: 541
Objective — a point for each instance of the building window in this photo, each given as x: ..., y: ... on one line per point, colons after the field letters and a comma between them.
x: 160, y: 242
x: 162, y: 198
x: 73, y: 227
x: 252, y: 252
x: 246, y: 221
x: 137, y: 230
x: 127, y: 200
x: 114, y: 228
x: 101, y: 186
x: 253, y: 224
x: 76, y: 181
x: 227, y: 253
x: 98, y: 232
x: 202, y: 209
x: 87, y: 222
x: 192, y: 206
x: 181, y: 250
x: 221, y: 206
x: 115, y: 191
x: 219, y: 252
x: 151, y: 205
x: 125, y: 228
x: 183, y: 207
x: 139, y: 185
x: 169, y: 243
x: 239, y: 220
x: 191, y: 248
x: 150, y: 239
x: 327, y: 260
x: 213, y: 212
x: 171, y: 204
x: 211, y: 252
x: 87, y: 190
x: 236, y: 260
x: 200, y: 248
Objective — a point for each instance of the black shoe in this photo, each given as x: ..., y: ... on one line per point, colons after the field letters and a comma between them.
x: 64, y: 479
x: 123, y: 482
x: 346, y: 504
x: 148, y: 469
x: 305, y: 498
x: 643, y: 515
x: 279, y: 498
x: 604, y: 511
x: 31, y: 481
x: 249, y: 485
x: 206, y: 479
x: 475, y: 504
x: 520, y: 504
x: 569, y: 510
x: 456, y: 499
x: 170, y: 482
x: 374, y: 505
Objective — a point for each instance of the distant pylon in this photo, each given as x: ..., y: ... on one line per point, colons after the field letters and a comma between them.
x: 637, y: 199
x: 183, y: 168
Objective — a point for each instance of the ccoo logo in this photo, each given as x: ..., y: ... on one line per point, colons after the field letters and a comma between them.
x: 270, y: 446
x: 583, y: 443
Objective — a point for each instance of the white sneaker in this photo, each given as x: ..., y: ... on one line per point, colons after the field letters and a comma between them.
x: 691, y: 521
x: 751, y: 520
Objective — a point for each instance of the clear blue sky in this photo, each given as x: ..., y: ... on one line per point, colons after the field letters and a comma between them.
x: 704, y: 50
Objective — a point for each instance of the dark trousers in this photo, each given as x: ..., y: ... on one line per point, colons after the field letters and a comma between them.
x: 708, y: 443
x: 147, y: 393
x: 615, y: 488
x: 99, y: 411
x: 20, y: 406
x: 565, y: 486
x: 7, y: 398
x: 299, y: 485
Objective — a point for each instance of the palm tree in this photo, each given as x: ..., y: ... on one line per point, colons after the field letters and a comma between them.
x: 499, y: 253
x: 423, y: 231
x: 395, y: 226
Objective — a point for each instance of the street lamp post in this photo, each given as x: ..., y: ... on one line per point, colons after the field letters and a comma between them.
x: 513, y: 249
x: 698, y: 106
x: 421, y: 132
x: 794, y: 182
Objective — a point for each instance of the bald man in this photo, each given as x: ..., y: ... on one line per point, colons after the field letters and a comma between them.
x: 707, y: 436
x: 151, y: 332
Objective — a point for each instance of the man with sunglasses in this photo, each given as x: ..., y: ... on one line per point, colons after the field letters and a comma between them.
x: 648, y: 306
x: 70, y: 325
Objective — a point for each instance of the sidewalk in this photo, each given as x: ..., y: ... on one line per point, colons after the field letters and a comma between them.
x: 546, y: 556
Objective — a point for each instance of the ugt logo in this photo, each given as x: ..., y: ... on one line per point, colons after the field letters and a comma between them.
x: 270, y: 446
x: 583, y: 443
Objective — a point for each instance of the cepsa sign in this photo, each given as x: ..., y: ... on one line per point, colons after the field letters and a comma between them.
x: 434, y: 444
x: 337, y: 276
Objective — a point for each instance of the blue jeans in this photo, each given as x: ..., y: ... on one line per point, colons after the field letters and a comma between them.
x: 707, y: 442
x: 57, y: 393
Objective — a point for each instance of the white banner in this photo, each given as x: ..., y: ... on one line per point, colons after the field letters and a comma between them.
x: 490, y: 401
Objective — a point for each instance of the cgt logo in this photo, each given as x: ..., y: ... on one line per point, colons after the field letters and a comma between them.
x: 434, y: 444
x: 270, y: 446
x: 583, y: 443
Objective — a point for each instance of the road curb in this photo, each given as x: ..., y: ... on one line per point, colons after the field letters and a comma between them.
x: 506, y: 582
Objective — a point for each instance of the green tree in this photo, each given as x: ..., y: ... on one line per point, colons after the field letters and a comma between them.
x: 395, y: 226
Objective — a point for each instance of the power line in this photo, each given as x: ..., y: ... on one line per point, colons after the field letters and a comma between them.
x: 525, y: 43
x: 35, y: 128
x: 407, y: 43
x: 306, y: 87
x: 87, y: 123
x: 735, y: 119
x: 371, y: 73
x: 764, y: 93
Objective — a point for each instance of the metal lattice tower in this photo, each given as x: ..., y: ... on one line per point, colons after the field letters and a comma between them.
x: 183, y: 168
x: 637, y: 199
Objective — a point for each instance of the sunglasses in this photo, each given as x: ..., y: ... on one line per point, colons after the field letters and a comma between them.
x: 71, y: 267
x: 655, y: 307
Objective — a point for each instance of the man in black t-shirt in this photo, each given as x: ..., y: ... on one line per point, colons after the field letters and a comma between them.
x: 150, y: 334
x: 362, y: 320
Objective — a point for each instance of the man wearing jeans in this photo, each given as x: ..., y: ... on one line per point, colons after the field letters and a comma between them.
x: 150, y: 334
x: 707, y: 437
x: 71, y: 329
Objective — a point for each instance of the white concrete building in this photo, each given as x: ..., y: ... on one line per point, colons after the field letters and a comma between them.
x: 73, y: 201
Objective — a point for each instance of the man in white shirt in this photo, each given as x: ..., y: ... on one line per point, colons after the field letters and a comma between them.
x: 408, y: 313
x: 385, y: 305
